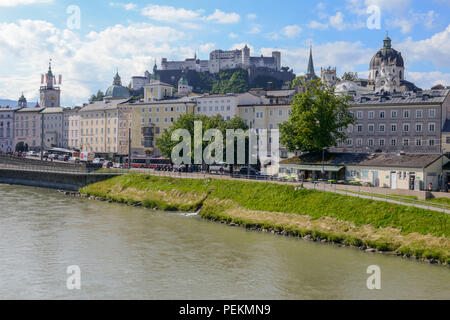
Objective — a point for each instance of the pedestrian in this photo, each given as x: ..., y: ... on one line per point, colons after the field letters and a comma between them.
x: 430, y: 187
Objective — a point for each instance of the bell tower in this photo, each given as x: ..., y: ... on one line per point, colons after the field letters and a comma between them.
x: 50, y: 94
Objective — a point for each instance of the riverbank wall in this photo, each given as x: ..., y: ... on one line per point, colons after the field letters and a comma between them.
x: 71, y: 181
x: 371, y: 225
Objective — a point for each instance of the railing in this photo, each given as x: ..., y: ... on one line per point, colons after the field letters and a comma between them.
x: 44, y: 166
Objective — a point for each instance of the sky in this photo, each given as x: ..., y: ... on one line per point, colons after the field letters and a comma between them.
x: 89, y: 40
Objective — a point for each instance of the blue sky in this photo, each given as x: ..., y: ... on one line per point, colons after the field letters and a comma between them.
x: 130, y: 35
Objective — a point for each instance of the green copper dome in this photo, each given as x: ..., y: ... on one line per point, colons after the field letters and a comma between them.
x: 117, y: 91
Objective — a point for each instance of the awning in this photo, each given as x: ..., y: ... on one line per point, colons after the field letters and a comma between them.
x: 327, y: 168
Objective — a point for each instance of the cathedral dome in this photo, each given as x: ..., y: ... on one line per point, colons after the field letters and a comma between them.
x: 387, y: 56
x: 117, y: 91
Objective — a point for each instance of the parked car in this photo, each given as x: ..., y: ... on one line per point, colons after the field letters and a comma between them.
x: 219, y: 168
x: 117, y: 165
x: 63, y: 157
x: 32, y: 154
x: 98, y: 161
x: 107, y: 164
x: 52, y: 156
x: 245, y: 172
x: 74, y: 160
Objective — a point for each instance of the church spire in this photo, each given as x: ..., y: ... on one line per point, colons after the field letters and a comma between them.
x: 310, y: 71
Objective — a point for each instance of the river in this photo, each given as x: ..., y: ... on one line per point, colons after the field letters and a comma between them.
x: 136, y: 253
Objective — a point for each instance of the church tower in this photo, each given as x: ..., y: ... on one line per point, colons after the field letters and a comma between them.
x: 310, y: 73
x: 22, y: 103
x: 328, y: 76
x: 50, y: 93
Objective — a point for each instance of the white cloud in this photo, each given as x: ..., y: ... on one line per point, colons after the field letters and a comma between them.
x: 126, y: 6
x: 223, y: 17
x: 187, y: 18
x: 170, y: 14
x: 241, y: 45
x: 291, y: 31
x: 407, y: 23
x: 86, y: 63
x: 233, y: 35
x: 251, y: 16
x: 255, y: 29
x: 337, y: 21
x: 346, y: 56
x: 435, y: 49
x: 426, y: 80
x: 390, y: 5
x: 317, y: 25
x: 15, y: 3
x: 207, y: 47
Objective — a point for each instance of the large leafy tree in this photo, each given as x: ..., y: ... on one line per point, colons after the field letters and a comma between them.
x: 166, y: 145
x: 317, y: 118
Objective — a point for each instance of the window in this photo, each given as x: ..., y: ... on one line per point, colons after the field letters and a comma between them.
x: 418, y: 142
x: 418, y: 127
x: 419, y: 114
x: 393, y: 142
x: 280, y: 113
x: 431, y: 142
x: 447, y: 140
x: 432, y: 113
x: 359, y: 114
x: 371, y: 128
x: 393, y: 128
x: 359, y: 142
x: 382, y: 128
x: 382, y: 115
x: 393, y: 114
x: 382, y: 142
x: 405, y: 127
x: 371, y: 115
x: 405, y: 142
x: 359, y: 128
x: 431, y: 127
x: 406, y: 114
x: 349, y: 142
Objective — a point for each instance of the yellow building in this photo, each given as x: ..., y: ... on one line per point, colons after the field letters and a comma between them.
x: 152, y: 118
x: 99, y: 126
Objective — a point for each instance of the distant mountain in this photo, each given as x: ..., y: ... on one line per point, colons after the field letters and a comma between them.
x: 13, y: 104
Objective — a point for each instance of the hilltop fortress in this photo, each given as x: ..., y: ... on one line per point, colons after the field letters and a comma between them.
x: 224, y: 60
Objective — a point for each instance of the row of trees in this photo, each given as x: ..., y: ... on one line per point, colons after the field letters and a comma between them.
x: 317, y: 115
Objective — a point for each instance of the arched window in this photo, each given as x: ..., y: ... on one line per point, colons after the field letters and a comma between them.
x: 400, y: 74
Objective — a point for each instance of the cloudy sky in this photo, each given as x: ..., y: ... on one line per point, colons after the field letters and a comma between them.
x: 130, y: 35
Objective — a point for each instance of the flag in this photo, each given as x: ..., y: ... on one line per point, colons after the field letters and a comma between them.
x: 60, y: 79
x: 42, y: 79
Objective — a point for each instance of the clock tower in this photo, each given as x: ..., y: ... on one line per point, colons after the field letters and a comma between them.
x: 50, y: 93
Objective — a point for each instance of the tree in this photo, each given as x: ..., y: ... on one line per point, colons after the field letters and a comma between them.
x: 285, y: 69
x: 99, y: 97
x: 317, y: 117
x: 21, y: 147
x: 299, y: 81
x: 166, y: 145
x: 350, y: 76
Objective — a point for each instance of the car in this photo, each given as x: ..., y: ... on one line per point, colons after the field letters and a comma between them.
x: 117, y: 165
x: 74, y: 160
x: 219, y: 168
x: 32, y: 154
x: 107, y: 164
x: 63, y: 157
x: 246, y: 172
x: 98, y: 161
x: 53, y: 156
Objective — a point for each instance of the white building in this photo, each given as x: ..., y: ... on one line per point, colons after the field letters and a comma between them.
x: 72, y: 134
x: 225, y: 105
x: 53, y: 123
x: 7, y: 129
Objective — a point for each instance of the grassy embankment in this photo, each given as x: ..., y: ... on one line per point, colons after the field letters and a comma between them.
x: 336, y: 218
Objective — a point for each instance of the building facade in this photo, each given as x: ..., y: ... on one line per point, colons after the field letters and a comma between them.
x: 7, y: 129
x: 390, y: 123
x: 225, y: 105
x: 27, y: 126
x: 71, y: 139
x: 53, y: 124
x: 150, y: 119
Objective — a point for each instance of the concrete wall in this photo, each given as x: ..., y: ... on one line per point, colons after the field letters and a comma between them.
x: 56, y: 180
